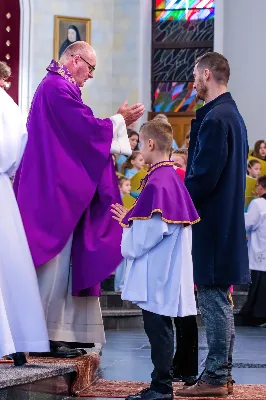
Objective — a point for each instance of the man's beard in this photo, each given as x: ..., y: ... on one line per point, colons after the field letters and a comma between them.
x: 202, y: 91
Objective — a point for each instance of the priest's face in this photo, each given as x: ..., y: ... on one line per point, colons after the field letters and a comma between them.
x: 83, y: 67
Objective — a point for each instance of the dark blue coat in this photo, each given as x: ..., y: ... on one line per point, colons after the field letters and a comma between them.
x: 216, y: 176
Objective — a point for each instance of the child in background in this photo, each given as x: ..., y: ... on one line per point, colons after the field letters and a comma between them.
x: 253, y: 172
x: 124, y: 185
x: 254, y: 169
x: 156, y: 244
x: 180, y: 158
x: 134, y: 144
x: 254, y: 310
x: 133, y: 164
x: 259, y: 150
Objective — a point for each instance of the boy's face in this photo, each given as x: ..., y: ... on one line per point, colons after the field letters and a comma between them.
x: 146, y: 148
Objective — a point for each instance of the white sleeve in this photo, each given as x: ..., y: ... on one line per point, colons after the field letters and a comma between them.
x: 13, y: 135
x: 252, y: 216
x: 120, y: 143
x: 143, y: 235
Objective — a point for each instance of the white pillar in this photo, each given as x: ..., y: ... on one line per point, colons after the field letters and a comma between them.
x: 25, y: 54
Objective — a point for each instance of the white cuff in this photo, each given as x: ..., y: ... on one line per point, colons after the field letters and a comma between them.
x: 120, y: 143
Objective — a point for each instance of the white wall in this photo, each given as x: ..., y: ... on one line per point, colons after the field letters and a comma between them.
x: 120, y: 35
x: 244, y: 32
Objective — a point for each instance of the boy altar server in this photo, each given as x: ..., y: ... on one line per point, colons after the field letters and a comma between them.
x: 157, y: 247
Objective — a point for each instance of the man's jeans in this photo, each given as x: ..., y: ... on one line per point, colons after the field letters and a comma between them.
x: 217, y: 313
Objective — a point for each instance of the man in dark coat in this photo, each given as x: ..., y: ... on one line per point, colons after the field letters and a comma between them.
x: 216, y: 182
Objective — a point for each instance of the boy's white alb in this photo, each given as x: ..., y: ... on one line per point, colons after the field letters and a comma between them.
x: 159, y: 270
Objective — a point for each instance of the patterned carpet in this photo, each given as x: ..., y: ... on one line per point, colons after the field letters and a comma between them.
x: 112, y: 389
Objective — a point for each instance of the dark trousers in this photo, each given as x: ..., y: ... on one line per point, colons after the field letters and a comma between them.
x: 217, y: 313
x: 159, y: 330
x: 185, y: 362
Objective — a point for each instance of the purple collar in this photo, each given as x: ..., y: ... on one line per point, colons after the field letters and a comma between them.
x: 62, y: 70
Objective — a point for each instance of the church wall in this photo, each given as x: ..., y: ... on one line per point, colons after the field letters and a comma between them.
x: 97, y: 92
x: 120, y: 35
x: 244, y: 45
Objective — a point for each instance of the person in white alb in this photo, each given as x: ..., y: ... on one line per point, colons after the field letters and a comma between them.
x: 254, y: 310
x: 23, y: 327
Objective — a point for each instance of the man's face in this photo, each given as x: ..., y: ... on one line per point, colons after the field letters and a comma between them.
x: 82, y: 68
x: 200, y: 82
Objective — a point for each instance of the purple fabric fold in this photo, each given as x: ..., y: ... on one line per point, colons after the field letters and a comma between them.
x: 163, y: 192
x: 66, y: 183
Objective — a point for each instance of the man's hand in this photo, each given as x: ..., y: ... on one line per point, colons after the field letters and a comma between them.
x: 118, y: 211
x: 131, y: 113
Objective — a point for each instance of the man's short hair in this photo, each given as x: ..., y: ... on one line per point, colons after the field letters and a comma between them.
x: 161, y: 132
x: 262, y: 181
x: 217, y: 64
x: 5, y: 70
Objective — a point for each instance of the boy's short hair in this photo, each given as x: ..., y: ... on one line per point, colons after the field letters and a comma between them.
x: 161, y: 132
x: 262, y: 181
x: 122, y: 179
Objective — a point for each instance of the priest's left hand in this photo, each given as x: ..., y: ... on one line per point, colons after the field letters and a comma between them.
x: 118, y: 211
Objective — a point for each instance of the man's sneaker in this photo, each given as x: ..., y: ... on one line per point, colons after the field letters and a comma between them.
x: 148, y: 394
x: 203, y: 389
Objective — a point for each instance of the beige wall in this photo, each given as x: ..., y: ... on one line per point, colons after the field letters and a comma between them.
x: 120, y: 30
x: 242, y: 39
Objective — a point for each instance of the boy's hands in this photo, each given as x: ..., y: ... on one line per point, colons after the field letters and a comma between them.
x: 118, y: 211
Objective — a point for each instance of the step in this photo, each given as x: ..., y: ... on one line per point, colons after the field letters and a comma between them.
x: 111, y: 299
x: 44, y: 373
x: 122, y: 318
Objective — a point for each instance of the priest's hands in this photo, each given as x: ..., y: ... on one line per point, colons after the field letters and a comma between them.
x: 131, y: 113
x: 118, y: 211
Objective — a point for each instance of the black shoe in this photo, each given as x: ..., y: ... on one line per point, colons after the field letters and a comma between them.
x: 189, y: 380
x: 61, y: 352
x: 19, y: 359
x: 148, y: 394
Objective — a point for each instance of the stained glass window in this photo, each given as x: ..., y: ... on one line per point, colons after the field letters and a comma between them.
x: 182, y: 31
x: 175, y: 97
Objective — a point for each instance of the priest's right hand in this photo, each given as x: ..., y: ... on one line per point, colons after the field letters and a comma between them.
x: 131, y: 113
x: 118, y: 211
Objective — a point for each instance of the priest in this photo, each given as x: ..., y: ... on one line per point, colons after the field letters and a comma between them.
x: 65, y: 187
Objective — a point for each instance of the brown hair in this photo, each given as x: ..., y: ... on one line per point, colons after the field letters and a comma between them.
x: 161, y: 132
x: 182, y: 153
x: 262, y: 181
x: 217, y: 64
x: 127, y: 164
x: 251, y: 164
x: 256, y: 151
x: 131, y: 132
x: 5, y: 70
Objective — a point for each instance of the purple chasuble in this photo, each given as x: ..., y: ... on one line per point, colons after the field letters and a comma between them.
x: 66, y: 183
x: 163, y: 192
